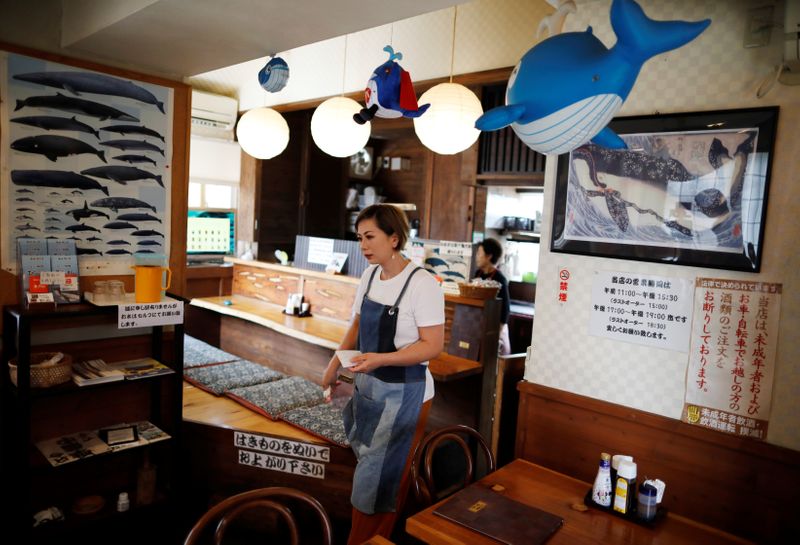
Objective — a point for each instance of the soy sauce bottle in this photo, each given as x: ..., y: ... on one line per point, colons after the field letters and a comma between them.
x: 625, y: 490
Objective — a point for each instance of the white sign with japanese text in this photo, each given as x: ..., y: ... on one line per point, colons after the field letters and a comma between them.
x: 642, y: 309
x: 150, y: 314
x: 285, y: 447
x: 279, y: 463
x: 320, y: 250
x: 732, y: 356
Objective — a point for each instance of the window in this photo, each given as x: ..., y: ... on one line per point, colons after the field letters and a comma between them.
x: 213, y: 195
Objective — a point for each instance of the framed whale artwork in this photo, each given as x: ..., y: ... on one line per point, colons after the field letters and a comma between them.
x: 690, y: 189
x: 84, y: 155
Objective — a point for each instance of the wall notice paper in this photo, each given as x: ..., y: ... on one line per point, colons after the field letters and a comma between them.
x: 642, y: 309
x: 732, y: 356
x: 320, y: 250
x: 448, y: 261
x: 150, y: 314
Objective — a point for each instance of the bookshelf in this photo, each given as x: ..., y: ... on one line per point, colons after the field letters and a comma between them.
x: 34, y: 420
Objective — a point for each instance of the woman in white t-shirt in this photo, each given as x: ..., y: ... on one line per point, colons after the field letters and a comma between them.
x: 398, y: 325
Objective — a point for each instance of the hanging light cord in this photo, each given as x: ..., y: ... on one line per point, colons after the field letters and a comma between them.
x: 344, y: 67
x: 453, y: 46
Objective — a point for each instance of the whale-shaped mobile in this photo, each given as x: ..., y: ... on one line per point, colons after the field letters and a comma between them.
x: 567, y: 88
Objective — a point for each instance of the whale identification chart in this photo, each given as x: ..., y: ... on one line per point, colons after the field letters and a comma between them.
x: 85, y: 156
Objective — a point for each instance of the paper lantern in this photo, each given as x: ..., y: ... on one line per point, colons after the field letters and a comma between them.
x: 448, y: 126
x: 262, y: 133
x: 333, y: 128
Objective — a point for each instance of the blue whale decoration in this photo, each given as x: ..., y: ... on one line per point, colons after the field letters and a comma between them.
x: 389, y: 92
x: 566, y: 89
x: 274, y: 76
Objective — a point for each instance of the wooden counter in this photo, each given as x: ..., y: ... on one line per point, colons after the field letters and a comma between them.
x: 319, y: 331
x: 212, y: 460
x: 254, y: 327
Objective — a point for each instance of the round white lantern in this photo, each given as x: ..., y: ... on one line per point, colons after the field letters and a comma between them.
x: 448, y: 126
x: 333, y: 129
x: 262, y: 133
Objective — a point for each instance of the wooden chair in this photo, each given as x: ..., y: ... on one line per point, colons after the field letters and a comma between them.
x: 422, y: 463
x: 271, y: 498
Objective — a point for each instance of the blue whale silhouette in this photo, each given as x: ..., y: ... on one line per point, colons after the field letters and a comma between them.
x: 566, y: 89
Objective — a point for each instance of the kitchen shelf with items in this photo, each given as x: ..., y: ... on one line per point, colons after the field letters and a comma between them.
x: 64, y: 443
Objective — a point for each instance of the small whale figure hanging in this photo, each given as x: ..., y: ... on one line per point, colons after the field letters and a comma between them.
x: 274, y: 76
x: 566, y: 89
x: 389, y: 92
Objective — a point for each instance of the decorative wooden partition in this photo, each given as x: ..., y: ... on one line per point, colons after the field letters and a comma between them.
x: 738, y: 485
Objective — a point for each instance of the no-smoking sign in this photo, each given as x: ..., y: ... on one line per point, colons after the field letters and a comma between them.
x: 563, y: 274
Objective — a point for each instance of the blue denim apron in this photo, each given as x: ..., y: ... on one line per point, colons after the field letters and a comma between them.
x: 381, y: 418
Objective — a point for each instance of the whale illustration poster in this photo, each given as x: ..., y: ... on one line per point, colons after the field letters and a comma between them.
x: 85, y: 156
x: 694, y: 196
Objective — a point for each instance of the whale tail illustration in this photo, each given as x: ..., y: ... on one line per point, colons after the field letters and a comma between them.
x: 640, y: 38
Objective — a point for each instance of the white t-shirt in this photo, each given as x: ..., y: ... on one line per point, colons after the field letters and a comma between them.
x: 422, y: 305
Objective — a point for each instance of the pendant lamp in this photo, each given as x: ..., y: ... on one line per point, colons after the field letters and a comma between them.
x: 448, y: 126
x: 332, y: 127
x: 263, y: 133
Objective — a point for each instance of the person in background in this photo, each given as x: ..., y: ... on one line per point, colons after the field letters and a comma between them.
x: 398, y: 325
x: 486, y: 257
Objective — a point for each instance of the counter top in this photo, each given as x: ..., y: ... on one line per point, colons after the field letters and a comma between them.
x: 315, y: 330
x: 319, y: 331
x: 524, y: 309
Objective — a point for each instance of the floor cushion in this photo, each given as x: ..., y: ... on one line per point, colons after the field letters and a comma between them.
x: 273, y: 398
x: 323, y: 420
x: 197, y: 353
x: 217, y: 379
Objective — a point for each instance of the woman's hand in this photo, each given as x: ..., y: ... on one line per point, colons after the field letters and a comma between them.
x: 368, y: 362
x: 329, y: 379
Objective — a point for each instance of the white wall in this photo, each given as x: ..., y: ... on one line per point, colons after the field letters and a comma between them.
x: 713, y: 72
x: 489, y: 34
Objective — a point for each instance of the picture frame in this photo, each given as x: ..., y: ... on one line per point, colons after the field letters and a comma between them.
x: 691, y: 189
x: 362, y: 164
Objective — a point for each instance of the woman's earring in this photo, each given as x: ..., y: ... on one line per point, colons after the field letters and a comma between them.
x: 394, y: 255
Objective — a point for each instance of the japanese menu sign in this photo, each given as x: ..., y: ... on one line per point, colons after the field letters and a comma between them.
x: 732, y: 356
x: 642, y: 309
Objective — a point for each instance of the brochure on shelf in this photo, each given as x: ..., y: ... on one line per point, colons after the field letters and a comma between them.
x: 141, y: 368
x: 72, y: 447
x: 84, y: 444
x: 90, y: 372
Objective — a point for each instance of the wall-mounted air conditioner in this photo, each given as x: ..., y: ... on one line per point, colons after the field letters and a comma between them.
x: 213, y: 116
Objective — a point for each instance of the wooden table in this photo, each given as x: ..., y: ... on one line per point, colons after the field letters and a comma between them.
x: 556, y: 493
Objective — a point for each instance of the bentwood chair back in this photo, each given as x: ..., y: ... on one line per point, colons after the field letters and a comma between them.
x: 422, y: 476
x: 274, y: 498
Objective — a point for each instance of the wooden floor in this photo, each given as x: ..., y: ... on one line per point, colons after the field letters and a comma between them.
x: 200, y: 407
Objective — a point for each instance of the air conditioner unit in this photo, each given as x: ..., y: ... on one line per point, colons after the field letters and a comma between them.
x: 213, y: 116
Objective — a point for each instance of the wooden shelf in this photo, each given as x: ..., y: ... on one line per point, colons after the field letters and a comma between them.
x: 446, y: 367
x: 511, y: 179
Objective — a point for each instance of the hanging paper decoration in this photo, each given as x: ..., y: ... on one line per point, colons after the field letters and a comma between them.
x: 567, y: 88
x: 389, y: 92
x: 274, y: 76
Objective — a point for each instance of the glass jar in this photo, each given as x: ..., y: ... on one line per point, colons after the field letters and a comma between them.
x: 100, y: 293
x: 116, y: 291
x: 647, y: 505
